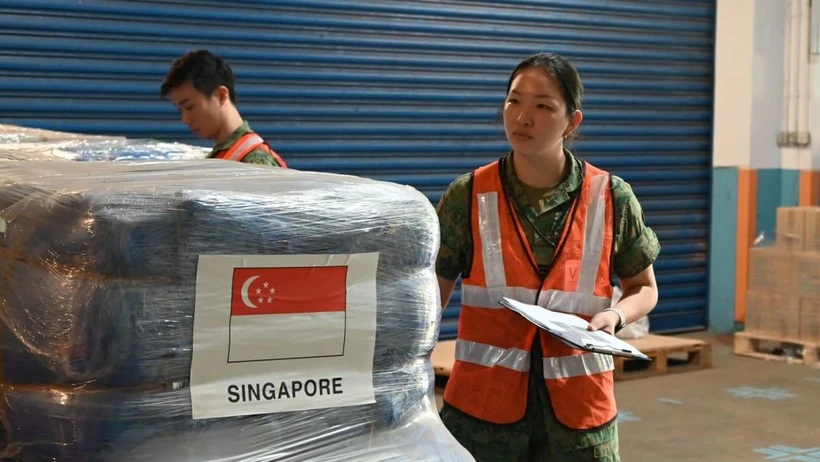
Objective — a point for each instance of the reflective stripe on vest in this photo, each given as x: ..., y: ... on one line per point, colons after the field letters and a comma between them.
x: 556, y: 300
x: 564, y: 367
x: 492, y: 356
x: 593, y: 236
x: 481, y: 297
x: 490, y: 230
x: 559, y: 367
x: 243, y: 147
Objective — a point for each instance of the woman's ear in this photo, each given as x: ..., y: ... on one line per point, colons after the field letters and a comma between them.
x: 574, y: 122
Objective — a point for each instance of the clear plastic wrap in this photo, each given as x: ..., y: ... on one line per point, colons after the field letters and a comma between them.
x: 100, y: 149
x: 19, y: 134
x: 98, y: 290
x: 34, y: 144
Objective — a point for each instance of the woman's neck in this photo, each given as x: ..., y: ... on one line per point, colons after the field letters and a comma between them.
x: 540, y: 171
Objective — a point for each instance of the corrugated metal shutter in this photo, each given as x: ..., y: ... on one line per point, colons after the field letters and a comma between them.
x: 406, y: 91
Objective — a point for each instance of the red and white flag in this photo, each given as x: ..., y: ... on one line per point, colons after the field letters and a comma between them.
x: 287, y: 313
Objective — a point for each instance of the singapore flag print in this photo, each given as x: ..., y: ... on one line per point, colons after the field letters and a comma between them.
x: 279, y: 333
x: 306, y: 305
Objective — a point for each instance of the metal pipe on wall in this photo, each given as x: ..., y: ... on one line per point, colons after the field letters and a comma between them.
x: 804, y: 76
x: 783, y: 137
x: 794, y: 70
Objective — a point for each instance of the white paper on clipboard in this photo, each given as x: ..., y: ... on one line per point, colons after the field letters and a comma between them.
x: 573, y: 330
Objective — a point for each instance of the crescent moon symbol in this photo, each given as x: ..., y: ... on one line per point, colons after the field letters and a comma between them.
x: 244, y: 293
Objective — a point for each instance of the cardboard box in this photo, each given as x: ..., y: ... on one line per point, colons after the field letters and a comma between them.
x: 758, y: 303
x: 772, y: 269
x: 773, y: 314
x: 807, y: 272
x: 791, y: 228
x: 811, y: 235
x: 810, y: 320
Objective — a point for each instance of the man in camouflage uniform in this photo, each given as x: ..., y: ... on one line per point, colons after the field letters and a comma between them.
x: 635, y: 248
x: 201, y: 85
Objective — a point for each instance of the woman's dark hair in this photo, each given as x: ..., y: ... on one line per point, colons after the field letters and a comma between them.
x: 559, y: 67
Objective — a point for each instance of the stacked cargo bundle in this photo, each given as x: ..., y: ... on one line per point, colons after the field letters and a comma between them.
x: 212, y: 310
x: 783, y: 300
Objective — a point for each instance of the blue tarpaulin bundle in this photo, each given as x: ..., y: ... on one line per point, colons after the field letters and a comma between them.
x: 98, y: 286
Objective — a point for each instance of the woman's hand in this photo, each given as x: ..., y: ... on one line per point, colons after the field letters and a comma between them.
x: 606, y: 321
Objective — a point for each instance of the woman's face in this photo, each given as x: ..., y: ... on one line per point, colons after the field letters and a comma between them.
x: 535, y: 114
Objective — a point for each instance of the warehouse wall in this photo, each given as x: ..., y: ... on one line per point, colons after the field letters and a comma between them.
x: 752, y: 175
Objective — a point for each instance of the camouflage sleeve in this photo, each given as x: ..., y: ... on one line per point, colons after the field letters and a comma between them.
x: 636, y: 245
x: 456, y: 239
x: 260, y: 156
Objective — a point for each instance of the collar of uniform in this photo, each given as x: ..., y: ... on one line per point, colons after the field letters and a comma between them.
x: 243, y: 129
x: 557, y: 196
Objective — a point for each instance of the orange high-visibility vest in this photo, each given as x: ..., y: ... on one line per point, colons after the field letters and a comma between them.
x: 245, y: 145
x: 490, y: 376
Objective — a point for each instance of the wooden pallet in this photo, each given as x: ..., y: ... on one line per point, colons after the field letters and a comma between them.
x: 444, y: 355
x: 669, y: 354
x: 770, y: 347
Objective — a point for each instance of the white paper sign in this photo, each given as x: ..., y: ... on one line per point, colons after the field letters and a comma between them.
x: 276, y: 333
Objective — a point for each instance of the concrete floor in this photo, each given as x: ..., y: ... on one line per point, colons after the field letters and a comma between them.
x: 742, y: 409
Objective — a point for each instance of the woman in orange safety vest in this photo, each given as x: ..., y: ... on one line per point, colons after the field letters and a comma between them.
x: 543, y: 227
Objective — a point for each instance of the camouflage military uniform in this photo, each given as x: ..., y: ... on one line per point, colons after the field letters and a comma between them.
x: 257, y: 156
x: 539, y: 436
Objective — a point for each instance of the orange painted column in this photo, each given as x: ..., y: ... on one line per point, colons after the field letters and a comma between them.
x: 809, y: 188
x: 746, y: 229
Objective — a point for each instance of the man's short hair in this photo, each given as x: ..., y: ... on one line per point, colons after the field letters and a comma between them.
x: 204, y: 70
